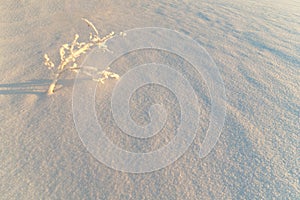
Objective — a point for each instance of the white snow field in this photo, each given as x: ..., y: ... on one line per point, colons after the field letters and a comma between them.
x: 256, y: 47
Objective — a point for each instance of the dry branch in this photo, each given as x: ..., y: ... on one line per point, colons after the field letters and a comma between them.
x: 70, y: 52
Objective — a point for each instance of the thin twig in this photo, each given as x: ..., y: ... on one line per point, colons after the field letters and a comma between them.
x: 70, y: 52
x: 91, y: 24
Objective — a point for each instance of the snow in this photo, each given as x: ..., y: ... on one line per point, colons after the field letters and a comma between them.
x: 255, y: 45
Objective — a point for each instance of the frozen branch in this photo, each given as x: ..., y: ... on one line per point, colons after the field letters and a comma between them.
x: 70, y: 52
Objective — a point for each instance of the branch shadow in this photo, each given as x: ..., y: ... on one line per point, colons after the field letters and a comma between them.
x: 36, y: 86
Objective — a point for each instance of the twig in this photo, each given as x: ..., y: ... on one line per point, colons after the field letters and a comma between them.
x: 70, y: 52
x: 91, y: 24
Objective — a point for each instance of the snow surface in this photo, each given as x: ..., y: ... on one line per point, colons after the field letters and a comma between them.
x: 256, y: 46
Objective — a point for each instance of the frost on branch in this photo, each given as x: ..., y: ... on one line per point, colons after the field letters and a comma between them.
x: 70, y: 52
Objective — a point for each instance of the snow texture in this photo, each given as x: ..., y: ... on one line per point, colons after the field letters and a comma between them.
x: 255, y: 45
